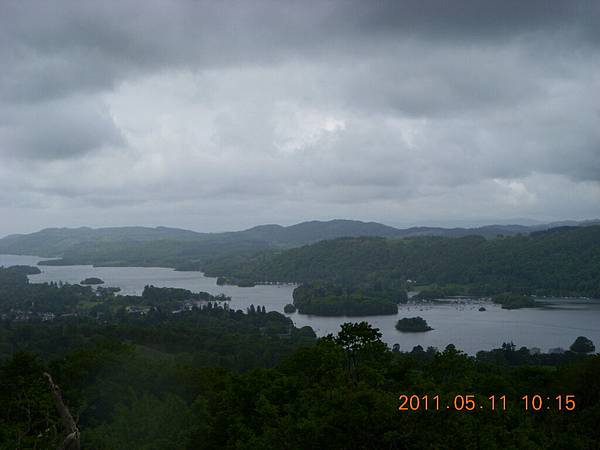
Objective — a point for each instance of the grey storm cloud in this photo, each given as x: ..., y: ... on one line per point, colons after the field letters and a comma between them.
x: 400, y: 111
x: 58, y: 129
x: 57, y: 48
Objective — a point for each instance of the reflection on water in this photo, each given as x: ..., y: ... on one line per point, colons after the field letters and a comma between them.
x: 460, y: 323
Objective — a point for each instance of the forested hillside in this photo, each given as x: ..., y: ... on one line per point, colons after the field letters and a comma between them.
x: 561, y: 261
x: 211, y: 380
x: 190, y: 250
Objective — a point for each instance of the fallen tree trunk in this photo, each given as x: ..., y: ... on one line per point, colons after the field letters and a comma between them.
x: 72, y: 440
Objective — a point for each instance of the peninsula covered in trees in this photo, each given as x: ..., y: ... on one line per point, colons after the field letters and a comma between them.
x: 372, y: 275
x: 560, y: 261
x: 514, y: 301
x: 24, y: 301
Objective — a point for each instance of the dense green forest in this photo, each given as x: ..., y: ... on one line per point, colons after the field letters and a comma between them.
x: 213, y: 378
x: 561, y: 261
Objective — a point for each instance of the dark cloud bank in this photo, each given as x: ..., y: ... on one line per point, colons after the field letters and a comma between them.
x: 222, y: 115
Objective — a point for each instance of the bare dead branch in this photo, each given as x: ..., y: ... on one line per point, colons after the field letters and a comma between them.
x: 72, y: 440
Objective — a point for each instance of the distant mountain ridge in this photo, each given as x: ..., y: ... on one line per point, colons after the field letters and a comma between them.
x: 53, y: 242
x: 313, y: 231
x: 168, y: 246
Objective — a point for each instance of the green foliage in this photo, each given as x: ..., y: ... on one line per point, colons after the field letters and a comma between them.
x: 341, y: 393
x: 514, y: 301
x: 335, y: 300
x: 27, y: 416
x: 157, y: 296
x: 412, y: 324
x: 355, y: 337
x: 16, y: 275
x: 18, y: 297
x: 24, y: 301
x: 560, y: 261
x: 146, y: 423
x: 582, y: 345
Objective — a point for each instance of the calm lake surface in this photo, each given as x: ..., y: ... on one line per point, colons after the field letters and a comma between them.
x: 462, y: 324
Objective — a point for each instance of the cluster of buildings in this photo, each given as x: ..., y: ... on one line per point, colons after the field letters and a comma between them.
x: 19, y: 315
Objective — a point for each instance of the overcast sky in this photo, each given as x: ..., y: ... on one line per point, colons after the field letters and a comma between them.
x: 227, y: 114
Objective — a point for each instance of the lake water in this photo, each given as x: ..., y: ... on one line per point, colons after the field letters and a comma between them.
x: 461, y: 324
